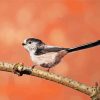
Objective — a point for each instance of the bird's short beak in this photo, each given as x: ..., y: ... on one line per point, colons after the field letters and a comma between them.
x: 23, y: 44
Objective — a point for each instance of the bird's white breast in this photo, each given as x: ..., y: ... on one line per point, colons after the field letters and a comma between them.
x: 48, y: 58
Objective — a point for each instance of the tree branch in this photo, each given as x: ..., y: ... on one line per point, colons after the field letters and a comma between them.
x: 20, y: 69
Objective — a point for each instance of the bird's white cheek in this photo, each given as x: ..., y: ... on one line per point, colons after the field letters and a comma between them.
x: 26, y: 47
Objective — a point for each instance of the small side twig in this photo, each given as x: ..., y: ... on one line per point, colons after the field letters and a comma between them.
x: 20, y: 69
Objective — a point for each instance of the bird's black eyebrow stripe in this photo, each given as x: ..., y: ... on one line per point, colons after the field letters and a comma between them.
x: 34, y: 39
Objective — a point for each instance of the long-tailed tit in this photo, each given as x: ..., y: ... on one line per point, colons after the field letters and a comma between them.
x: 48, y: 56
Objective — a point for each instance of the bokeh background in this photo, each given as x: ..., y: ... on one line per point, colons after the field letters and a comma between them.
x: 65, y: 23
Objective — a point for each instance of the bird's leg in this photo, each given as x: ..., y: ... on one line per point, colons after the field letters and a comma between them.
x: 48, y: 69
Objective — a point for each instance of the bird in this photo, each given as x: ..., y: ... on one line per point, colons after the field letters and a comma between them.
x: 48, y: 56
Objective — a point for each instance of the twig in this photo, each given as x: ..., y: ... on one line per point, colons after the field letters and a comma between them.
x: 20, y: 69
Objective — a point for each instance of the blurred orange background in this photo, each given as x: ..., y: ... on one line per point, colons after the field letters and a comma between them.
x: 64, y: 23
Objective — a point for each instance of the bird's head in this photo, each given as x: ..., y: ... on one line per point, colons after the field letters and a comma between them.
x: 31, y: 44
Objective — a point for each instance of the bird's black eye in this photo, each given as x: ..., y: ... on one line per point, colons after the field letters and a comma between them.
x: 30, y: 42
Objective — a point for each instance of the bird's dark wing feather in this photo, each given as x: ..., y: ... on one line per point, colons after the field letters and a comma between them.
x: 53, y: 48
x: 45, y: 49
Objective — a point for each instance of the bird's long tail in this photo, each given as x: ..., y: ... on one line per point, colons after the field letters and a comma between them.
x: 84, y: 46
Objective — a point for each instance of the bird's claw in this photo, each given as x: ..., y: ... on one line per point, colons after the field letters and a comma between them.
x: 33, y: 66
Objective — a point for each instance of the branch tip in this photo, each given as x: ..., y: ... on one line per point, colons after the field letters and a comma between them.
x: 96, y: 94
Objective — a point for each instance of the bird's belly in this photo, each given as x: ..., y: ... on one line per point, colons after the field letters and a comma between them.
x: 46, y: 60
